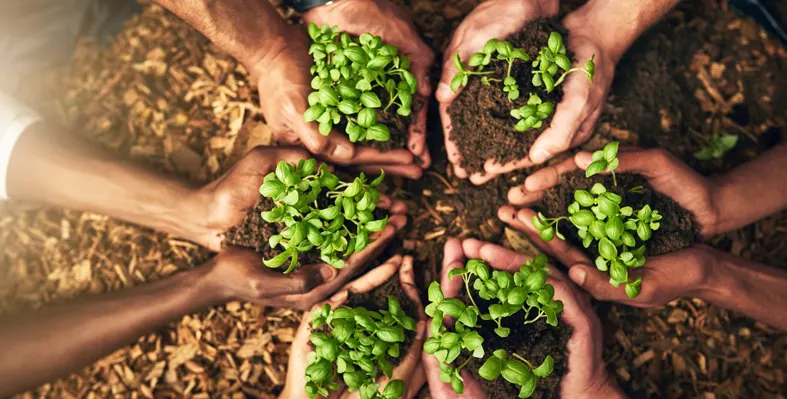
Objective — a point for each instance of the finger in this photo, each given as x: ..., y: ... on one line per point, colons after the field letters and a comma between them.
x: 369, y: 155
x: 453, y: 258
x: 417, y: 137
x: 596, y: 283
x: 454, y: 156
x: 520, y: 196
x: 406, y: 367
x: 411, y: 171
x: 301, y: 281
x: 335, y: 147
x: 549, y: 176
x: 522, y: 220
x: 586, y: 129
x: 445, y: 95
x: 649, y: 163
x: 472, y: 247
x: 375, y: 277
x: 568, y: 116
x: 496, y: 168
x: 407, y: 277
x: 502, y: 258
x: 417, y: 381
x: 479, y: 178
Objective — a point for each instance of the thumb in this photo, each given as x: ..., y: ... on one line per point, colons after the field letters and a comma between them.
x: 301, y: 281
x: 335, y: 147
x: 596, y: 283
x: 444, y: 93
x: 568, y: 117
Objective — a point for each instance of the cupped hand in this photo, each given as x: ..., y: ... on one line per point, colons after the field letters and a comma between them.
x: 665, y: 278
x: 385, y: 19
x: 496, y: 19
x: 586, y: 376
x: 284, y: 84
x: 408, y: 369
x: 665, y: 174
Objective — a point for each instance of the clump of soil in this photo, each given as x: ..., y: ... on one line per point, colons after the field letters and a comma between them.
x: 678, y: 228
x: 531, y: 341
x: 254, y: 232
x: 482, y: 126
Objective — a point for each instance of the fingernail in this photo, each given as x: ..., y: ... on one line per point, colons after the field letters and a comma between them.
x: 420, y: 330
x: 342, y: 152
x: 540, y: 155
x: 583, y: 159
x: 578, y: 276
x: 328, y: 273
x: 339, y: 296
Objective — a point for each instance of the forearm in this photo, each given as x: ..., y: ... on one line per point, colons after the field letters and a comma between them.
x: 74, y: 335
x: 247, y: 30
x: 752, y: 191
x: 59, y: 169
x: 618, y: 24
x: 748, y: 287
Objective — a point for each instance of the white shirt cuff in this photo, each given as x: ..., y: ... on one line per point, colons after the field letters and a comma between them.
x: 15, y: 118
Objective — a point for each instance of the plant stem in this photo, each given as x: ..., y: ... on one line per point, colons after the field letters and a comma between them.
x: 524, y: 360
x: 470, y: 293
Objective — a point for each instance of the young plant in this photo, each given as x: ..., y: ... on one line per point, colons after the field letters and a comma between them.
x: 297, y: 193
x: 717, y: 147
x: 349, y: 76
x: 619, y: 232
x: 501, y: 50
x: 532, y: 114
x: 551, y: 59
x: 525, y: 290
x: 355, y: 345
x: 605, y: 160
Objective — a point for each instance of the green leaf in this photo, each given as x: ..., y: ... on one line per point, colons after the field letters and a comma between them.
x: 377, y: 225
x: 545, y: 368
x: 452, y: 307
x: 378, y: 132
x: 611, y: 151
x: 394, y: 389
x: 329, y: 213
x: 563, y: 62
x: 491, y: 368
x: 607, y: 249
x: 469, y: 317
x: 644, y: 231
x: 601, y: 264
x: 329, y: 96
x: 618, y: 271
x: 549, y: 82
x: 539, y: 221
x: 349, y: 107
x: 378, y: 63
x: 554, y: 42
x: 457, y: 384
x: 516, y: 372
x: 517, y: 296
x: 272, y: 189
x: 319, y: 371
x: 472, y: 340
x: 367, y: 117
x: 583, y: 218
x: 370, y: 100
x: 528, y: 387
x: 313, y: 112
x: 277, y: 260
x: 391, y: 334
x: 595, y: 168
x: 614, y: 228
x: 547, y: 234
x: 435, y: 293
x: 456, y: 81
x: 536, y: 280
x: 432, y: 345
x: 458, y: 62
x: 598, y: 189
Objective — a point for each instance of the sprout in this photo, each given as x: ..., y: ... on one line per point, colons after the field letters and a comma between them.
x: 524, y: 291
x: 349, y: 74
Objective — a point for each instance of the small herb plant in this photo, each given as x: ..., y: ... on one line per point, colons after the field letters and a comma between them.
x: 717, y: 147
x: 357, y: 346
x: 549, y: 61
x: 619, y: 231
x: 349, y: 77
x: 524, y: 292
x: 296, y: 191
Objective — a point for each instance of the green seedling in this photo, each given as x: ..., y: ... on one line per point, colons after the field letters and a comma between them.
x: 532, y: 114
x: 605, y: 160
x: 354, y: 346
x: 551, y: 60
x: 619, y: 232
x: 349, y: 76
x: 510, y: 294
x: 295, y: 191
x: 501, y: 50
x: 717, y: 147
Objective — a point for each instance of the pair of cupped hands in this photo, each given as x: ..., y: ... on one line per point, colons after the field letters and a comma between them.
x: 284, y: 82
x: 586, y: 376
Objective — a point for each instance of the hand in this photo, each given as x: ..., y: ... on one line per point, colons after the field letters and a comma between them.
x: 383, y: 18
x: 665, y: 173
x: 407, y: 370
x: 244, y: 277
x: 283, y: 80
x: 586, y: 377
x: 495, y: 19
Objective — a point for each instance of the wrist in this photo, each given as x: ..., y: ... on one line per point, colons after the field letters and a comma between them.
x: 612, y: 26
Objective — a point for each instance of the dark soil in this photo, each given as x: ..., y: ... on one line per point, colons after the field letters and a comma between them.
x: 480, y: 116
x: 531, y: 341
x: 377, y: 299
x: 678, y: 229
x: 254, y: 233
x: 398, y: 125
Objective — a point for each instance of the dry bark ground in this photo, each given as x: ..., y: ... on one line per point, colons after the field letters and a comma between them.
x: 163, y: 95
